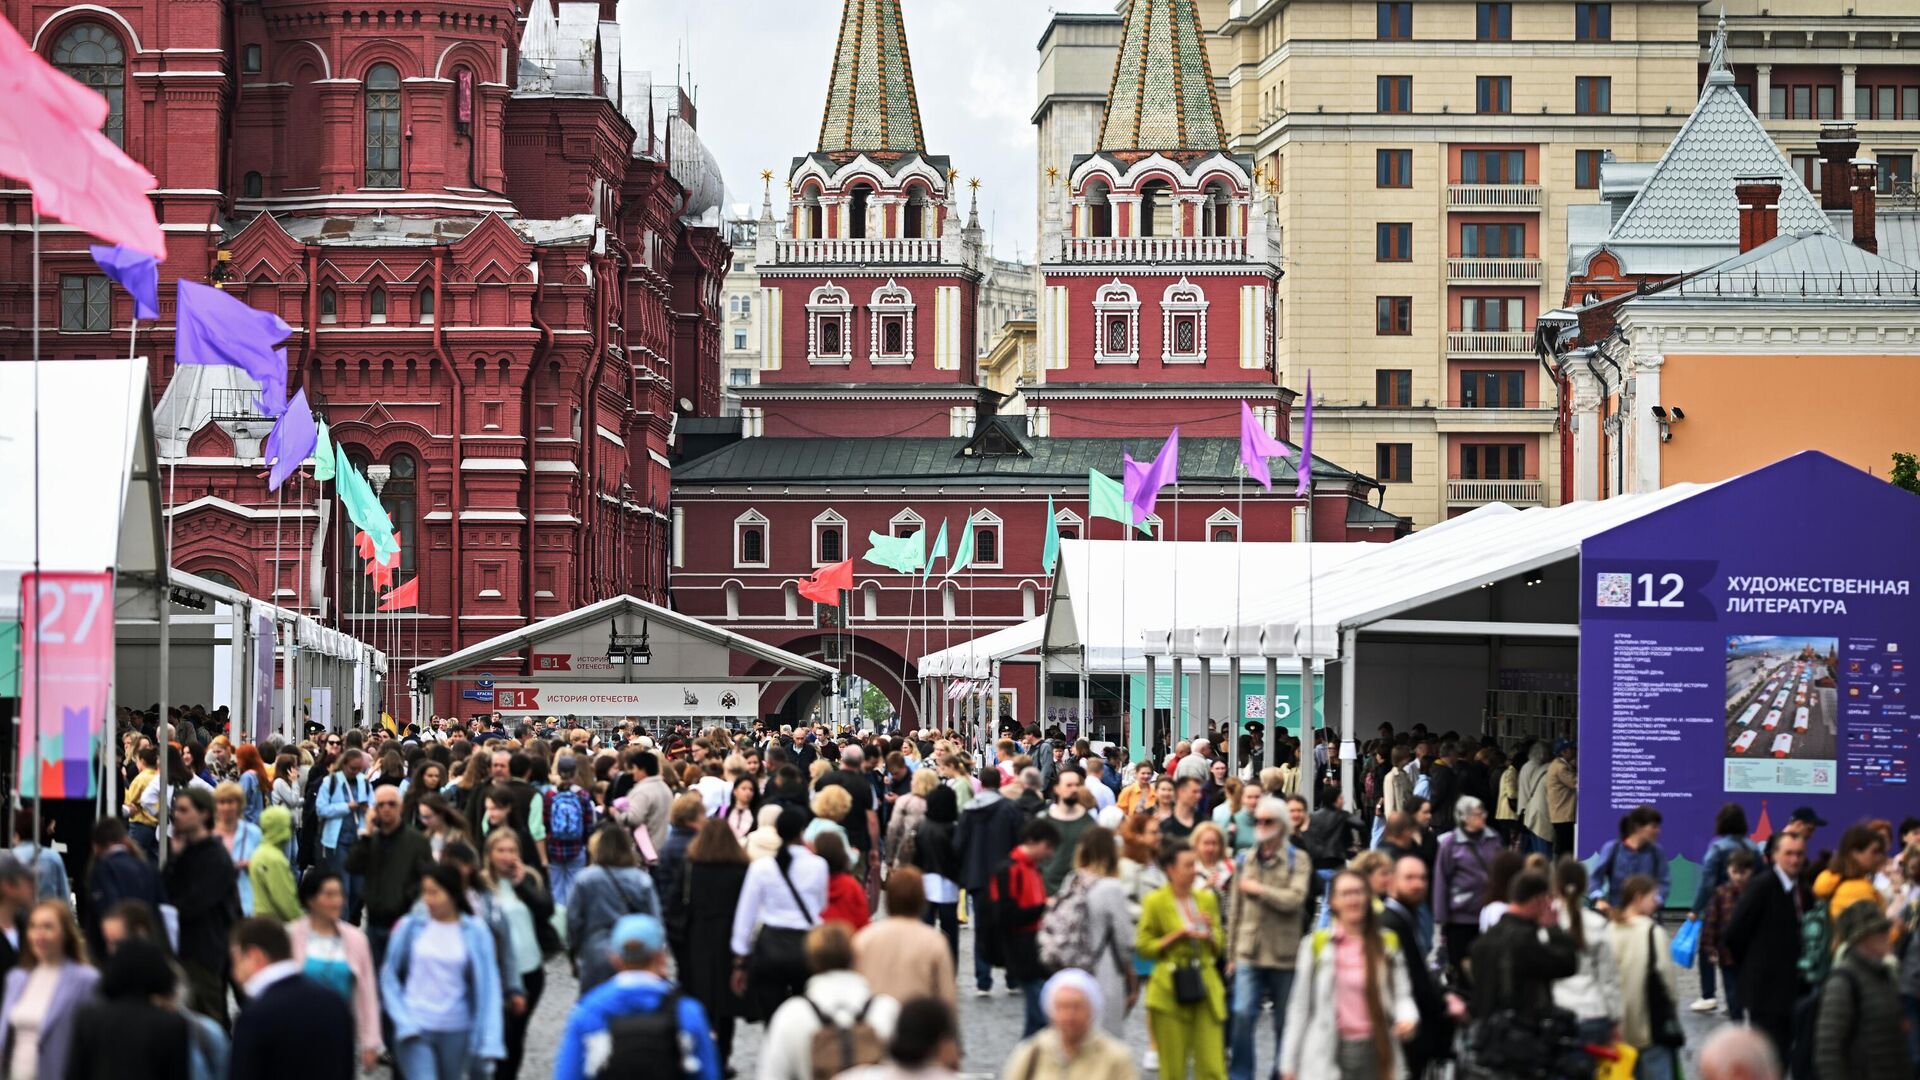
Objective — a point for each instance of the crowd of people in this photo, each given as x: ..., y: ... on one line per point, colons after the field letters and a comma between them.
x: 398, y: 897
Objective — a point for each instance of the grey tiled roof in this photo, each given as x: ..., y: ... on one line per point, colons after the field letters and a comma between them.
x: 1163, y: 95
x: 871, y: 103
x: 1810, y: 266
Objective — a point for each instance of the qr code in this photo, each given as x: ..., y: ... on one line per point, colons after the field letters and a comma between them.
x: 1613, y: 590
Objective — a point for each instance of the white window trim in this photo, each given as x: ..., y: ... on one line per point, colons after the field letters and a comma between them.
x: 990, y: 520
x: 870, y: 600
x: 734, y: 592
x: 906, y: 517
x: 1223, y: 517
x: 1116, y: 298
x: 828, y: 519
x: 1155, y: 529
x: 758, y: 520
x: 797, y: 606
x: 1183, y: 297
x: 888, y: 300
x: 1067, y: 519
x: 949, y: 600
x: 827, y: 301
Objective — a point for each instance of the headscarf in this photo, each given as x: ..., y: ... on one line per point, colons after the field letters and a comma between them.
x: 1073, y: 979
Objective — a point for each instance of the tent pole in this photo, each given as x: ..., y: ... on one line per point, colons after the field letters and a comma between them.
x: 1272, y: 740
x: 1182, y: 727
x: 1147, y: 709
x: 1309, y: 775
x: 1236, y: 707
x: 1205, y: 718
x: 1348, y: 679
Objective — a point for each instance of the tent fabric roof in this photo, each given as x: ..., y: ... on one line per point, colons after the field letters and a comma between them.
x: 546, y: 629
x: 974, y: 659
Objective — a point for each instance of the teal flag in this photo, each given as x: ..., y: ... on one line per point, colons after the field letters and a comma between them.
x: 363, y: 506
x: 1050, y: 554
x: 323, y: 455
x: 963, y: 555
x: 902, y: 553
x: 1106, y: 498
x: 939, y: 551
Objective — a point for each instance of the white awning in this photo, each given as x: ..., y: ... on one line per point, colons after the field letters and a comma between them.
x: 975, y: 659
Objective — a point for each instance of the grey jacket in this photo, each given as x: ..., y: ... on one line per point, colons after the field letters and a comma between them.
x: 602, y: 894
x: 1266, y: 929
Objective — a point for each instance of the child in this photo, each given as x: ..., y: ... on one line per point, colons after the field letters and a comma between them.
x: 1740, y: 868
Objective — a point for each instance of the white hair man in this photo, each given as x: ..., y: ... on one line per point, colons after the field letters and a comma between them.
x: 1264, y: 916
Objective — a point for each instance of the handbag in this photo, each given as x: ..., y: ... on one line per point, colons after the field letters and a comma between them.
x: 1686, y: 944
x: 1663, y: 1018
x: 1189, y: 987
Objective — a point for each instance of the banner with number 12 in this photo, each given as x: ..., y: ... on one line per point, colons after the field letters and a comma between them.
x: 66, y: 667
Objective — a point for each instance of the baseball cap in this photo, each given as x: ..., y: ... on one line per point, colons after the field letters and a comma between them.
x: 1806, y: 814
x: 637, y: 939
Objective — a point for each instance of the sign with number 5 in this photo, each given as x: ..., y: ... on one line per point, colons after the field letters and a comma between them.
x: 66, y: 666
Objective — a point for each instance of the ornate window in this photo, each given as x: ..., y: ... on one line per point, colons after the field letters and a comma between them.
x: 986, y: 539
x: 906, y: 523
x: 829, y: 538
x: 1223, y: 527
x: 399, y: 497
x: 377, y: 305
x: 251, y: 185
x: 1099, y: 209
x: 90, y: 54
x: 1183, y: 311
x: 1069, y: 524
x: 750, y: 539
x: 890, y: 312
x: 382, y: 135
x: 829, y: 320
x: 329, y: 305
x: 1116, y: 310
x: 426, y: 305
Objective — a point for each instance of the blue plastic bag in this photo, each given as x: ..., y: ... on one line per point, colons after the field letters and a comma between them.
x: 1686, y: 943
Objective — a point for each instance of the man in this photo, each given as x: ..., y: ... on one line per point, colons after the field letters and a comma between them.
x: 1763, y: 937
x: 1636, y: 852
x: 1071, y: 820
x: 1096, y: 782
x: 568, y: 812
x: 1186, y: 810
x: 989, y: 828
x: 1330, y: 834
x: 1025, y: 792
x: 837, y: 999
x: 49, y: 869
x: 284, y: 1008
x: 650, y: 798
x: 529, y: 814
x: 1443, y: 786
x: 389, y: 856
x: 16, y: 896
x: 1733, y: 1052
x: 200, y: 881
x: 1461, y: 867
x: 1016, y: 901
x: 342, y: 804
x: 1859, y: 1032
x: 1563, y: 796
x: 620, y: 1027
x: 1197, y: 765
x: 118, y: 872
x: 1268, y: 891
x: 1528, y: 950
x: 1405, y: 914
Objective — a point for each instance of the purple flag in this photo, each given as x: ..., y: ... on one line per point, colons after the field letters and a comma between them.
x: 214, y: 328
x: 1306, y: 444
x: 1256, y: 446
x: 1143, y: 482
x: 292, y: 440
x: 136, y: 271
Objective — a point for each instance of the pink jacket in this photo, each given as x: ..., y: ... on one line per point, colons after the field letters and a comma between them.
x: 366, y: 982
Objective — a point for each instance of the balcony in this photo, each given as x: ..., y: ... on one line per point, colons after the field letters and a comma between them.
x: 1156, y: 249
x: 848, y: 251
x: 1490, y: 344
x: 1479, y: 270
x: 1461, y: 492
x: 1494, y: 197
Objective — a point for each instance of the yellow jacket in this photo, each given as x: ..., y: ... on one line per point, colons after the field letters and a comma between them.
x: 1160, y: 916
x: 1841, y: 895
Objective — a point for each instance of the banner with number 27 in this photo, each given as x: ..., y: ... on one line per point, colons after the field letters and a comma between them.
x: 66, y: 667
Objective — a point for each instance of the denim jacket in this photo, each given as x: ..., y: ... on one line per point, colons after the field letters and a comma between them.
x: 336, y: 795
x: 486, y: 1039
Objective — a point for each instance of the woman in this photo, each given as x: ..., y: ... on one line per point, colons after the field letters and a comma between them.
x: 684, y: 816
x: 715, y: 871
x: 1377, y: 868
x: 938, y: 861
x: 335, y: 954
x: 763, y: 841
x: 127, y: 1031
x: 1212, y: 858
x: 830, y: 807
x: 44, y: 994
x: 1536, y: 822
x: 1139, y: 866
x: 846, y: 900
x: 255, y: 784
x: 441, y: 823
x: 429, y: 776
x: 1591, y: 994
x: 781, y: 900
x: 240, y: 837
x: 1351, y: 1007
x: 1181, y: 935
x: 1729, y: 835
x: 909, y: 810
x: 1849, y: 879
x: 1507, y: 865
x: 1214, y: 793
x: 1109, y: 927
x: 288, y: 792
x: 217, y: 765
x: 469, y: 794
x: 392, y: 771
x: 957, y: 775
x: 613, y: 886
x: 1239, y: 824
x: 521, y: 898
x: 441, y: 984
x: 1642, y: 949
x: 743, y: 801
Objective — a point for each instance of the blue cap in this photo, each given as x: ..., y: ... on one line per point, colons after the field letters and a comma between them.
x: 637, y: 939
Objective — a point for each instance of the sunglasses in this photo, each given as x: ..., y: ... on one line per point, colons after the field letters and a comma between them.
x: 333, y: 742
x: 1266, y: 821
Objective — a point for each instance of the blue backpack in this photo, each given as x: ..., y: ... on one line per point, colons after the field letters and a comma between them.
x: 567, y: 817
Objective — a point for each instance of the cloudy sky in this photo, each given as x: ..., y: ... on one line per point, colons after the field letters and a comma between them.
x: 761, y: 70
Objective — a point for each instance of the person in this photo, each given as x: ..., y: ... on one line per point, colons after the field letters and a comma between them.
x: 1070, y: 820
x: 743, y: 804
x: 716, y: 870
x: 16, y: 898
x: 1184, y: 813
x: 1403, y: 913
x: 1462, y: 866
x: 1591, y: 994
x: 1646, y: 967
x: 1741, y: 866
x: 126, y: 1031
x: 1263, y: 912
x: 935, y: 856
x: 619, y: 1028
x: 440, y: 983
x: 861, y: 821
x: 846, y: 900
x: 336, y: 955
x: 389, y: 858
x: 1563, y: 795
x: 269, y: 874
x: 1524, y: 953
x: 1848, y: 880
x: 612, y: 885
x: 240, y: 836
x: 1858, y: 1030
x: 568, y: 813
x: 1729, y: 836
x: 1138, y: 797
x: 49, y: 869
x: 764, y: 840
x: 142, y: 803
x: 1077, y: 1043
x: 284, y: 1009
x: 44, y: 993
x: 989, y: 830
x: 255, y: 784
x: 341, y: 806
x: 1180, y: 932
x: 925, y: 1045
x: 200, y: 882
x: 684, y: 816
x: 521, y: 899
x: 119, y: 871
x: 1010, y: 915
x: 288, y: 791
x: 649, y: 799
x: 1734, y: 1052
x: 780, y: 901
x: 901, y: 955
x: 834, y: 994
x: 1637, y: 851
x: 1350, y: 1009
x: 440, y: 823
x: 1506, y: 866
x: 1763, y: 940
x: 1239, y: 824
x: 831, y: 805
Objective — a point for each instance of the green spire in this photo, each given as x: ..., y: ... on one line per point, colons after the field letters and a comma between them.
x: 1163, y: 96
x: 871, y: 104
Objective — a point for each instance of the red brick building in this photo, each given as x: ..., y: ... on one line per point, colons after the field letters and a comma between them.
x: 498, y: 249
x: 870, y: 416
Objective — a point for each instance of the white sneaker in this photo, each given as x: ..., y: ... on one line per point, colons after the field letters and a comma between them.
x: 1705, y: 1005
x: 983, y: 993
x: 1152, y: 1061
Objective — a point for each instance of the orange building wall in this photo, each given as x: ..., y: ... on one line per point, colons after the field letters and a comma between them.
x: 1747, y: 411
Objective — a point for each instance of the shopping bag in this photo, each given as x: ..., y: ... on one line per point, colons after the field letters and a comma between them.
x: 1618, y: 1066
x: 1686, y: 943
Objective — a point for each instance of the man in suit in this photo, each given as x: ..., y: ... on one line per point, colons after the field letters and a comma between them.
x: 1764, y: 938
x: 285, y: 1009
x: 1406, y: 916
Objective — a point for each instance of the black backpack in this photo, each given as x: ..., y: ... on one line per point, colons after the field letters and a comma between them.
x: 641, y: 1041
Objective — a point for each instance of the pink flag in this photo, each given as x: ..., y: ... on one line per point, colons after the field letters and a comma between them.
x: 50, y: 140
x: 1143, y: 482
x: 1306, y: 444
x: 1256, y: 446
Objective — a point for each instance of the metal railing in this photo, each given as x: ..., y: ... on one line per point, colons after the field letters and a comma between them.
x: 1489, y: 491
x: 1155, y: 249
x: 1503, y: 343
x: 1493, y: 270
x: 233, y: 404
x: 1503, y: 403
x: 1900, y: 286
x: 861, y: 251
x: 1494, y: 197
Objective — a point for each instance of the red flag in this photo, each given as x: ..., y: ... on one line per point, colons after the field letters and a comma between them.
x: 363, y: 544
x: 50, y: 139
x: 406, y: 596
x: 828, y: 582
x: 382, y: 574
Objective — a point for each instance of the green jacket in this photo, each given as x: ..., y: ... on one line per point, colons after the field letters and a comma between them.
x: 1160, y: 916
x: 274, y: 892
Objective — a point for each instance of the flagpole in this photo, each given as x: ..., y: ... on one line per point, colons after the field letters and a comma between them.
x: 32, y: 758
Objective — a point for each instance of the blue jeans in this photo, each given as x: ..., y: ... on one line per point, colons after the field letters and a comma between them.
x: 1251, y: 985
x: 335, y: 859
x: 1910, y: 1005
x: 1656, y: 1063
x: 433, y: 1055
x: 562, y: 872
x: 1036, y: 1019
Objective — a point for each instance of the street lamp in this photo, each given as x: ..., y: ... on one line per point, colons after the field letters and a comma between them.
x: 627, y: 648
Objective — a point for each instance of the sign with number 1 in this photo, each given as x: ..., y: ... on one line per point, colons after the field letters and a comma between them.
x: 66, y: 666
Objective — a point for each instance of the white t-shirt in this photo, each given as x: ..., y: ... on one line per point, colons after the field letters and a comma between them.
x: 437, y: 978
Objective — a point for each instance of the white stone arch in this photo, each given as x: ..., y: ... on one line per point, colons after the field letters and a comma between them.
x: 750, y: 520
x: 1223, y: 519
x: 826, y: 520
x: 133, y: 39
x: 890, y: 313
x: 1183, y: 323
x: 988, y: 530
x: 733, y: 589
x: 1065, y: 519
x: 1116, y: 324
